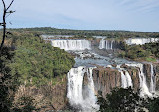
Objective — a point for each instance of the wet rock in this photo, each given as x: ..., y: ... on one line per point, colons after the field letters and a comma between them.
x: 124, y: 66
x: 114, y: 65
x: 134, y: 73
x: 157, y: 76
x: 106, y: 79
x: 147, y: 72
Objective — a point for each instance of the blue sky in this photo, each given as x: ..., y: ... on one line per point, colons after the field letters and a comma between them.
x: 132, y: 15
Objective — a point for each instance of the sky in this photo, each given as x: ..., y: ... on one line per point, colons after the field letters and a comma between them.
x: 131, y: 15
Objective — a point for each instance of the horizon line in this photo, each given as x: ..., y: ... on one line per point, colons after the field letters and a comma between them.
x: 83, y: 29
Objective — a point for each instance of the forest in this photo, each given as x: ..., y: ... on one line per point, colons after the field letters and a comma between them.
x: 27, y: 60
x: 148, y: 52
x: 108, y: 33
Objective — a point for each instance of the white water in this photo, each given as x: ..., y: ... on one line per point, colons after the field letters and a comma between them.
x: 106, y: 44
x: 143, y: 86
x: 71, y: 44
x: 140, y: 41
x: 123, y: 80
x: 75, y: 90
x: 152, y: 83
x: 126, y: 80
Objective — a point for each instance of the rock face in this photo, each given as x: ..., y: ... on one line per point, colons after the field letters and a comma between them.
x: 109, y: 44
x: 134, y: 73
x: 147, y: 72
x: 157, y: 76
x: 46, y: 97
x: 105, y: 79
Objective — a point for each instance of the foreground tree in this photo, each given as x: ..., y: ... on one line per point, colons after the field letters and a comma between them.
x: 153, y: 105
x: 7, y: 85
x: 6, y: 12
x: 120, y: 100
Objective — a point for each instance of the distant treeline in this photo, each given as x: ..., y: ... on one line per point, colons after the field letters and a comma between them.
x: 148, y: 51
x: 109, y: 34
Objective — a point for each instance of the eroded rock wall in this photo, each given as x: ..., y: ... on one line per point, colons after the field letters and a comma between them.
x: 106, y: 79
x: 45, y: 98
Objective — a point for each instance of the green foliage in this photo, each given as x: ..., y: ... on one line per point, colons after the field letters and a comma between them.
x: 153, y: 47
x: 119, y: 100
x: 36, y: 62
x: 89, y: 33
x: 24, y: 104
x: 126, y: 100
x: 134, y: 52
x: 6, y: 81
x: 149, y: 59
x: 153, y: 106
x: 146, y: 52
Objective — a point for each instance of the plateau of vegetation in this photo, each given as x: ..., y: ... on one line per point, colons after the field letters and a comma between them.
x: 148, y: 51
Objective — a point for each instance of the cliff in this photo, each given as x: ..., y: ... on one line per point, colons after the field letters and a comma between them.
x: 106, y: 79
x: 43, y: 98
x: 157, y: 76
x: 148, y: 70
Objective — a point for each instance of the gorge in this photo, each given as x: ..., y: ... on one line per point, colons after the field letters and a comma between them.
x: 93, y: 72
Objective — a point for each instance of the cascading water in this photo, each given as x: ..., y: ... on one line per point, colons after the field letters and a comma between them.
x: 140, y: 41
x: 152, y: 83
x: 75, y: 79
x: 75, y: 90
x: 126, y: 80
x: 123, y: 80
x: 106, y: 44
x: 71, y: 44
x: 83, y: 97
x: 143, y: 86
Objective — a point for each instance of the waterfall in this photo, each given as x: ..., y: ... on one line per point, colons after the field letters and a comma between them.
x: 75, y: 90
x: 71, y: 44
x: 140, y: 41
x: 75, y: 80
x: 106, y: 44
x: 123, y: 80
x: 101, y: 44
x: 152, y: 83
x: 126, y: 80
x: 143, y: 86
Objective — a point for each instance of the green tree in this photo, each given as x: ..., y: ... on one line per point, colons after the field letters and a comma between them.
x: 7, y: 86
x: 120, y: 100
x: 153, y: 105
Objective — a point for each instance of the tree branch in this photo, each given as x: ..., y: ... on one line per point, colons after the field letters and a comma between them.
x: 10, y: 5
x: 4, y: 22
x: 4, y: 5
